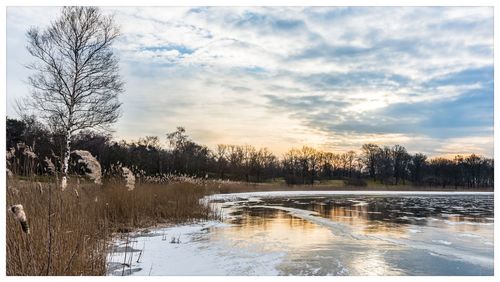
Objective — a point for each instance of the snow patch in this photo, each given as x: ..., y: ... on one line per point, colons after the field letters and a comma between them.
x: 442, y: 242
x: 469, y: 235
x: 187, y: 250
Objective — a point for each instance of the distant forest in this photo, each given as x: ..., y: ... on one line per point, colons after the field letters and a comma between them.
x: 31, y: 146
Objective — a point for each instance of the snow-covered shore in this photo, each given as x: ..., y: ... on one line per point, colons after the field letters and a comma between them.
x: 187, y: 250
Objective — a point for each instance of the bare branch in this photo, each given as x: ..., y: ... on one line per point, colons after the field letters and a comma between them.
x: 75, y: 80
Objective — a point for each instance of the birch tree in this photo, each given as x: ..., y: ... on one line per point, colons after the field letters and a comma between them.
x: 75, y: 81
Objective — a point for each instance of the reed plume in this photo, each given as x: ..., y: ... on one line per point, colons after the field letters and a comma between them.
x: 129, y: 178
x: 92, y: 165
x: 20, y: 215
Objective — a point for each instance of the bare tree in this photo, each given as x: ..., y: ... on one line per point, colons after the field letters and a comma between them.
x: 369, y: 158
x: 75, y: 78
x: 350, y: 157
x: 221, y: 159
x: 401, y: 160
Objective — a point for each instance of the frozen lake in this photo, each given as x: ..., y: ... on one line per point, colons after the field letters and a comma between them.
x: 322, y: 233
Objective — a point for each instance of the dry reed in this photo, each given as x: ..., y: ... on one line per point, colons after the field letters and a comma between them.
x: 70, y: 230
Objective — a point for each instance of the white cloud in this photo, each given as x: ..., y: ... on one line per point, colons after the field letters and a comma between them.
x: 214, y: 69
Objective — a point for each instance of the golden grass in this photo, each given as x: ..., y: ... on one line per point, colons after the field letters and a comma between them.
x: 71, y: 230
x: 152, y: 204
x: 68, y: 231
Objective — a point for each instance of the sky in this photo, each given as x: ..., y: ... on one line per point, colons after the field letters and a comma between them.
x: 333, y: 78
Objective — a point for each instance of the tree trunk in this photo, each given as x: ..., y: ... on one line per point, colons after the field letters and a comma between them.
x: 67, y: 153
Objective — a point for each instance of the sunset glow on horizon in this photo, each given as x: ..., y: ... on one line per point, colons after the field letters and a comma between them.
x: 281, y: 77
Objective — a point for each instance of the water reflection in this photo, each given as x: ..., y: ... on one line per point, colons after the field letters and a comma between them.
x: 394, y: 214
x: 256, y: 225
x: 401, y: 235
x: 373, y: 263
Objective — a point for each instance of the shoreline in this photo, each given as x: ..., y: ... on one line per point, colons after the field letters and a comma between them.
x: 313, y: 193
x: 242, y: 187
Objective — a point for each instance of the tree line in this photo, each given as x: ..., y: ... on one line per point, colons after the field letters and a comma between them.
x: 385, y: 165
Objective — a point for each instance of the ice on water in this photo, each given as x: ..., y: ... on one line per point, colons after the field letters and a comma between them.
x: 323, y: 233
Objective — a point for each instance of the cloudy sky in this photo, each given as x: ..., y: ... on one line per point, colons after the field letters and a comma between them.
x: 333, y: 78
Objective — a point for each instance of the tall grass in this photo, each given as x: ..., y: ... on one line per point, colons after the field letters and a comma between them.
x: 152, y: 204
x: 70, y: 230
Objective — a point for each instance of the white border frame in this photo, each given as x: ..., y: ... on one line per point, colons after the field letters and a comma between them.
x: 3, y: 73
